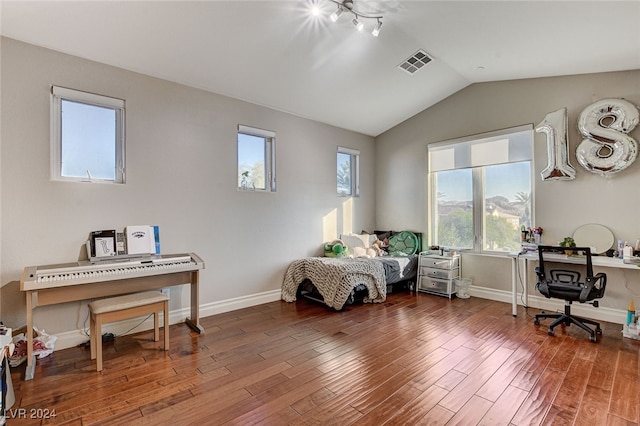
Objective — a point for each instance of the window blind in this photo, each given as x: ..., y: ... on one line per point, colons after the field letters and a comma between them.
x: 502, y: 146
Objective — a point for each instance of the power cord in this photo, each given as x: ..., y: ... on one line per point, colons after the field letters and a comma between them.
x: 109, y: 337
x: 519, y: 277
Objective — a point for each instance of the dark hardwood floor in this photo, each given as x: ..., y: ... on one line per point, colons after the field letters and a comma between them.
x: 415, y: 359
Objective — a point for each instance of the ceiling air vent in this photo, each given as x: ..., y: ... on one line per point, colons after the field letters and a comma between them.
x: 415, y: 62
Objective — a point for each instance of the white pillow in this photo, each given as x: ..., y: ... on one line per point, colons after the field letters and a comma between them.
x: 354, y: 240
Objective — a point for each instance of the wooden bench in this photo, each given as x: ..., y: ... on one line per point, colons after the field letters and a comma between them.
x: 123, y: 307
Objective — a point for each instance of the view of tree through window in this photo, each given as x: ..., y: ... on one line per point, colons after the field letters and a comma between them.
x: 256, y: 165
x: 484, y: 207
x: 454, y: 208
x: 344, y: 174
x: 251, y: 160
x: 506, y: 206
x: 347, y: 172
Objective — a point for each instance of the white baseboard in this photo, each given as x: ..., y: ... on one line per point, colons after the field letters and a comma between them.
x: 74, y: 338
x: 602, y: 313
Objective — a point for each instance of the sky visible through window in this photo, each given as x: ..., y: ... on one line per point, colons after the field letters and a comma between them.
x: 250, y: 149
x: 88, y: 140
x: 251, y: 162
x: 505, y: 180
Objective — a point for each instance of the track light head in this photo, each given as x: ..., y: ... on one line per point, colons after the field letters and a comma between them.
x: 335, y: 15
x: 376, y: 29
x: 359, y: 25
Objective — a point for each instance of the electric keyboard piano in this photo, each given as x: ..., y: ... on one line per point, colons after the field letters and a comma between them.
x: 84, y: 280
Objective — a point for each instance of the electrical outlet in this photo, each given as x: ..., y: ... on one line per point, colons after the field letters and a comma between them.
x: 165, y: 291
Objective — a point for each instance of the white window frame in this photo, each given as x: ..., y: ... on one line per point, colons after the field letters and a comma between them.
x: 269, y: 156
x: 58, y: 94
x: 450, y: 158
x: 355, y: 171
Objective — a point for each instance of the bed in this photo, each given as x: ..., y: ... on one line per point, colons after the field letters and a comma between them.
x: 337, y: 282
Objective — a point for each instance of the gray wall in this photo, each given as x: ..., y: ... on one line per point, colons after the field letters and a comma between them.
x: 181, y: 175
x: 560, y: 206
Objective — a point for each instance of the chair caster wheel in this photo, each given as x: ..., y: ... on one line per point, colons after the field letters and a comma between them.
x: 592, y: 339
x: 598, y: 331
x: 536, y: 321
x: 550, y: 332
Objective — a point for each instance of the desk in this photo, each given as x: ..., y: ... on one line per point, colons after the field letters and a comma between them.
x: 54, y: 284
x: 602, y: 261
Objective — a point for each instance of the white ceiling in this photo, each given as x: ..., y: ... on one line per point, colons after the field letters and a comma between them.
x: 274, y: 53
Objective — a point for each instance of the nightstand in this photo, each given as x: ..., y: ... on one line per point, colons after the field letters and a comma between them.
x: 436, y: 274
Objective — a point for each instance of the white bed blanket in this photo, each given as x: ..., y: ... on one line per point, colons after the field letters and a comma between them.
x: 335, y: 278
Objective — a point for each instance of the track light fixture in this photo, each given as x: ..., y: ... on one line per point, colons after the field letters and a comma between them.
x: 358, y: 16
x: 376, y: 29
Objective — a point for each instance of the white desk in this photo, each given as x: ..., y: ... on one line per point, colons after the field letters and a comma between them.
x: 602, y: 261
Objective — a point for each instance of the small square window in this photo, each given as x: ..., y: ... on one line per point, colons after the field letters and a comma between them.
x: 256, y: 159
x: 348, y: 172
x: 87, y: 137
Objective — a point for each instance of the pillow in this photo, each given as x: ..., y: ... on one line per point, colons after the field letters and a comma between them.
x: 371, y: 235
x: 354, y: 240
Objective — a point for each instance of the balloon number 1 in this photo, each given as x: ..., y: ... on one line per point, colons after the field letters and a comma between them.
x: 607, y: 147
x: 554, y: 126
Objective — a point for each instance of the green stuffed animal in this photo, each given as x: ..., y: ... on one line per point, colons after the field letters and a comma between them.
x: 335, y: 248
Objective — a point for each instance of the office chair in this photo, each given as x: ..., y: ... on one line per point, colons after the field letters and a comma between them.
x: 566, y: 285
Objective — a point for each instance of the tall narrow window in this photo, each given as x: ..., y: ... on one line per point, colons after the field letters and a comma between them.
x: 480, y: 190
x: 87, y: 137
x: 348, y: 172
x: 256, y: 159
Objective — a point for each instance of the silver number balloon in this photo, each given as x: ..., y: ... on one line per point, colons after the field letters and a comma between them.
x: 607, y: 147
x: 554, y: 126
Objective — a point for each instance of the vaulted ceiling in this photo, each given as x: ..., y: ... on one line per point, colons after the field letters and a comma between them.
x: 276, y: 54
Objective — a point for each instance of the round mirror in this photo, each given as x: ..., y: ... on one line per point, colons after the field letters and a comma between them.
x: 596, y: 236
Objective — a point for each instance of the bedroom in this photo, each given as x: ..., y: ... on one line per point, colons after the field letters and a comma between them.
x: 248, y: 239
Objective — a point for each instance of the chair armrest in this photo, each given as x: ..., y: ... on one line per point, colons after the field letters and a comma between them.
x: 599, y: 282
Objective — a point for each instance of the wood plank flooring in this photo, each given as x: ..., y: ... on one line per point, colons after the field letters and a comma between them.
x: 415, y: 359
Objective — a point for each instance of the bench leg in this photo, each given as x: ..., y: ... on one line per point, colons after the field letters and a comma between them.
x: 156, y: 330
x: 166, y: 325
x: 92, y: 336
x: 98, y: 340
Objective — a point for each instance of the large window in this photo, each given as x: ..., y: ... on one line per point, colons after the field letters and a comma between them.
x: 480, y: 190
x: 256, y: 159
x: 348, y: 172
x: 87, y: 137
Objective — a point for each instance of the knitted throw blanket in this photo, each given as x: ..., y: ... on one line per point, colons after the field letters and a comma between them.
x: 335, y: 278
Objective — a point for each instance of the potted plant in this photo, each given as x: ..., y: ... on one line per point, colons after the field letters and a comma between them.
x: 568, y: 242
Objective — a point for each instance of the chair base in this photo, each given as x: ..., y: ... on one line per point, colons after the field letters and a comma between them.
x: 567, y: 319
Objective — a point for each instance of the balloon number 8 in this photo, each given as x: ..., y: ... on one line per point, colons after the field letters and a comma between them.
x: 607, y: 147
